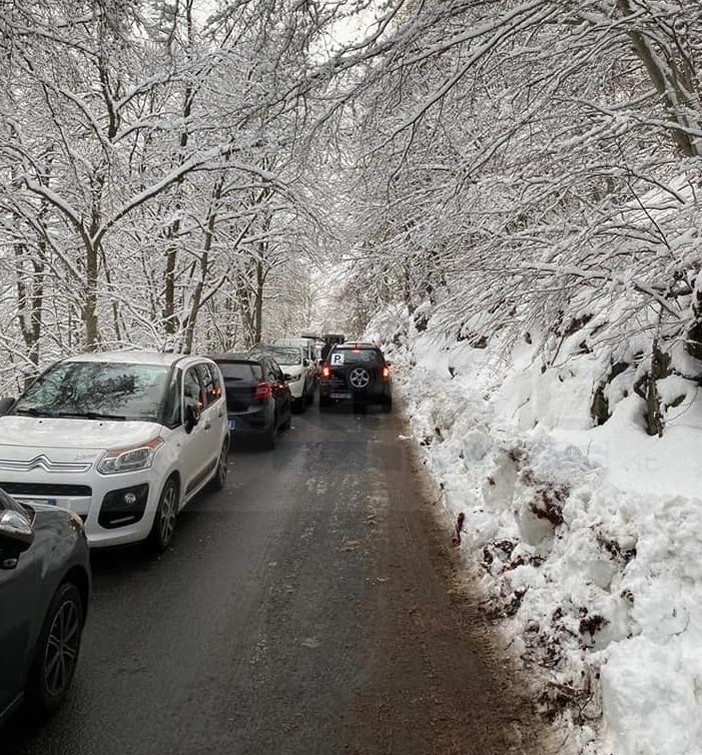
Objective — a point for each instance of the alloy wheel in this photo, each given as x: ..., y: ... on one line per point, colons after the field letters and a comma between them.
x: 222, y: 468
x: 62, y: 648
x: 167, y: 513
x: 359, y: 378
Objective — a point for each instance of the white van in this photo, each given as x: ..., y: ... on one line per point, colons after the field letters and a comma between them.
x: 308, y: 344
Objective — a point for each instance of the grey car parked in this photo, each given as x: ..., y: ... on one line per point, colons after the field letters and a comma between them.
x: 44, y: 592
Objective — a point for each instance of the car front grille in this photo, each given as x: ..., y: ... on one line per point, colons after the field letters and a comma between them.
x: 48, y: 465
x: 46, y: 490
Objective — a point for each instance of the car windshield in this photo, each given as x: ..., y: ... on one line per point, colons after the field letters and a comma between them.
x: 97, y: 390
x: 284, y: 355
x: 247, y: 371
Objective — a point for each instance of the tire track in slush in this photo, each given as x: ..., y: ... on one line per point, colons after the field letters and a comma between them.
x: 439, y: 684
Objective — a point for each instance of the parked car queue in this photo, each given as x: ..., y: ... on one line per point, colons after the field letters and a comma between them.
x: 106, y: 449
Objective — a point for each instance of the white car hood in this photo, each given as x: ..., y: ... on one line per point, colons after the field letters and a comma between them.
x: 23, y: 437
x: 293, y: 369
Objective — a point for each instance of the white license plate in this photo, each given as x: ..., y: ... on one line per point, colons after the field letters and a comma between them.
x: 36, y: 501
x: 232, y: 424
x: 339, y: 395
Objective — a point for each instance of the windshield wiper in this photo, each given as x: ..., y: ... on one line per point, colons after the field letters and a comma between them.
x: 33, y: 412
x: 91, y: 415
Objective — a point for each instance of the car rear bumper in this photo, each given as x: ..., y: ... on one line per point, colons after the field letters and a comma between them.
x: 251, y: 422
x: 338, y: 393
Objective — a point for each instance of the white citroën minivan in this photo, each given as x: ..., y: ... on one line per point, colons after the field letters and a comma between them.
x: 123, y: 439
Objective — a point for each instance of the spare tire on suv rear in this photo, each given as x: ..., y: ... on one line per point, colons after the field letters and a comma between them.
x: 358, y: 377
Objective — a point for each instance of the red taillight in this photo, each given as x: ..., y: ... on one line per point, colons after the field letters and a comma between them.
x: 326, y: 372
x: 386, y: 372
x: 262, y: 392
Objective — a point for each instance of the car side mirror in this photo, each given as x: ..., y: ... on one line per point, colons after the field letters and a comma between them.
x: 6, y: 404
x: 305, y: 362
x: 192, y: 417
x: 287, y: 376
x: 16, y: 535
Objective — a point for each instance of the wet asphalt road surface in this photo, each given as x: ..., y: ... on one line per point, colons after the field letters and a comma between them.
x: 310, y: 608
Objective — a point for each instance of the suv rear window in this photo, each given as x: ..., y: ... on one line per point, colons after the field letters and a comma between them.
x: 247, y: 371
x: 347, y: 356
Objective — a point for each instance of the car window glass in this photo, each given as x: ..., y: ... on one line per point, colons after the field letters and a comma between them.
x: 216, y: 380
x: 192, y: 390
x: 244, y: 371
x: 276, y: 372
x: 207, y: 383
x: 121, y: 390
x: 283, y: 355
x: 171, y: 408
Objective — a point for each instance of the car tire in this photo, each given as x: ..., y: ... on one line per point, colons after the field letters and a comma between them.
x: 324, y: 402
x: 220, y: 476
x: 269, y: 437
x: 56, y: 652
x: 358, y: 378
x: 287, y: 424
x: 164, y: 521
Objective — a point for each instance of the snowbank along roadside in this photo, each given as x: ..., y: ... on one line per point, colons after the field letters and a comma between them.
x: 589, y: 538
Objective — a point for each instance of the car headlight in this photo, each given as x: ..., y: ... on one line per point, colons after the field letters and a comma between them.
x: 129, y: 459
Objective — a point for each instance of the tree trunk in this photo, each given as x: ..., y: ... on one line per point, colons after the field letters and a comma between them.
x: 260, y: 283
x: 204, y: 263
x: 668, y: 85
x: 90, y: 315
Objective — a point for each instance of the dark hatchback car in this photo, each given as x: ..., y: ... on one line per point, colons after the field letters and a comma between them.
x: 356, y: 372
x: 44, y: 591
x: 258, y: 398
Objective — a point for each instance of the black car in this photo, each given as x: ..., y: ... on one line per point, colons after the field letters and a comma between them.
x: 44, y: 590
x: 356, y: 372
x: 258, y: 398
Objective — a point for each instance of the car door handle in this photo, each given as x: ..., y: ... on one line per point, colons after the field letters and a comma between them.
x: 208, y: 425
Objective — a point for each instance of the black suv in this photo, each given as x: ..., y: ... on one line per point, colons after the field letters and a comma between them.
x: 357, y: 372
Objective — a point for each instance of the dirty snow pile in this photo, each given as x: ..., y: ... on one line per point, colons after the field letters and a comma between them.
x: 589, y: 539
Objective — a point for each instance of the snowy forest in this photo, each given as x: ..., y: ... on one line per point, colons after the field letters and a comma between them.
x: 184, y: 175
x: 495, y: 180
